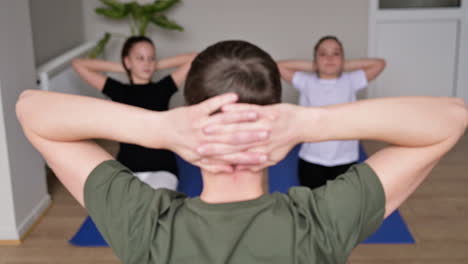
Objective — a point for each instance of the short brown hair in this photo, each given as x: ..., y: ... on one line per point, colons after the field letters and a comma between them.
x: 234, y: 66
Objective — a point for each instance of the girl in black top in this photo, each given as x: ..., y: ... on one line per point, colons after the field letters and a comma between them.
x: 158, y: 168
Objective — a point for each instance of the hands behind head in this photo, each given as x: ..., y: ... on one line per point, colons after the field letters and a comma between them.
x: 282, y: 121
x: 185, y: 134
x: 241, y: 137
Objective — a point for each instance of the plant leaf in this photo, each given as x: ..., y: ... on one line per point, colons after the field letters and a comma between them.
x: 114, y: 4
x: 111, y: 13
x: 135, y: 9
x: 159, y: 6
x: 164, y: 22
x: 143, y: 25
x: 97, y: 50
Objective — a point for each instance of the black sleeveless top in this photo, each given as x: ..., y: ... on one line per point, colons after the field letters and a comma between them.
x: 152, y: 96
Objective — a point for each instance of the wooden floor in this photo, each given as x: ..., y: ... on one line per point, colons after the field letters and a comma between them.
x: 437, y: 215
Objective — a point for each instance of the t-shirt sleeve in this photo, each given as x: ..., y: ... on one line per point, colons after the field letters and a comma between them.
x: 159, y: 94
x: 124, y: 209
x: 114, y: 89
x: 358, y: 80
x: 347, y: 210
x: 168, y: 84
x: 299, y: 80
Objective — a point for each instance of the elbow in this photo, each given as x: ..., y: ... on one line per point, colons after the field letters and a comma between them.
x: 76, y: 63
x: 282, y: 68
x: 465, y: 115
x: 285, y: 68
x: 22, y: 104
x: 382, y: 63
x: 286, y: 74
x: 282, y: 71
x: 281, y: 64
x: 192, y: 56
x: 460, y: 114
x: 189, y: 57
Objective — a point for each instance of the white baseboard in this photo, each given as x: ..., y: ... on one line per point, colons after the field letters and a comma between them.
x: 34, y: 216
x: 15, y: 235
x: 8, y: 234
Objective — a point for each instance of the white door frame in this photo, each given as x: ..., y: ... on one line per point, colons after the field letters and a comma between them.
x: 460, y: 85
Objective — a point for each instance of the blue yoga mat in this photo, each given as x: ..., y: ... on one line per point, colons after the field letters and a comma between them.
x: 393, y: 229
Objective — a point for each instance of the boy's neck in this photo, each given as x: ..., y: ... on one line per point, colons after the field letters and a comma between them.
x: 233, y: 187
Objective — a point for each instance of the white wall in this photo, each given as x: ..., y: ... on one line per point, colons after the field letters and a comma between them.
x: 8, y: 220
x: 23, y: 193
x: 57, y: 26
x: 462, y: 84
x: 286, y: 29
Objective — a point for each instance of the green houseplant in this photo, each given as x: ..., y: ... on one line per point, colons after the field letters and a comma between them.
x: 140, y: 16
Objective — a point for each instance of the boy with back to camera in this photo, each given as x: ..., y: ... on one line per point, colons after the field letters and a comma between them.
x: 234, y: 220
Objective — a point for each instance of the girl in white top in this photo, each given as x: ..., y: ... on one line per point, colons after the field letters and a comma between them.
x: 328, y: 79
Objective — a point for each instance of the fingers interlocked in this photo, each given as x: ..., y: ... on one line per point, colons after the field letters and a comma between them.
x: 234, y: 137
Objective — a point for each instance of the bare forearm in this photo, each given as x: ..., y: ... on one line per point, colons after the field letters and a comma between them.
x: 360, y: 64
x: 98, y: 65
x: 371, y: 67
x: 176, y: 61
x: 298, y: 65
x: 404, y: 121
x: 64, y: 117
x: 289, y: 67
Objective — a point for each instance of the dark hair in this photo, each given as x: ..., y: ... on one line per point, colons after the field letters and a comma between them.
x: 321, y: 40
x: 234, y: 66
x: 127, y: 47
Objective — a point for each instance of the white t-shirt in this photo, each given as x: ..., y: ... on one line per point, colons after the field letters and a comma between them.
x: 320, y: 92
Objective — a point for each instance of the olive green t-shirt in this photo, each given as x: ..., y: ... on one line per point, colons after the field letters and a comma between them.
x: 144, y: 225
